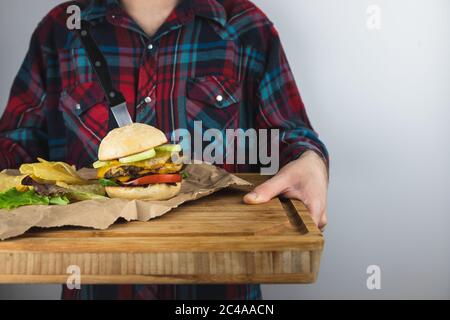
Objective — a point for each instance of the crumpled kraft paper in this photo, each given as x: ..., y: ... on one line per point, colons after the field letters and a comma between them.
x: 203, y: 180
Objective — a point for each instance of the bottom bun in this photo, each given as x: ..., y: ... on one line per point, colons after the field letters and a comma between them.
x: 153, y: 192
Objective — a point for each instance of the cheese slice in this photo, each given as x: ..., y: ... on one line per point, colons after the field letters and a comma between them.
x: 161, y: 159
x: 124, y: 179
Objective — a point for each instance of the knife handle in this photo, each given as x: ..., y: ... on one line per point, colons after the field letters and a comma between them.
x: 100, y: 65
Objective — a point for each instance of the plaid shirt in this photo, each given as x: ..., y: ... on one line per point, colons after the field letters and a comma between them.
x: 206, y: 48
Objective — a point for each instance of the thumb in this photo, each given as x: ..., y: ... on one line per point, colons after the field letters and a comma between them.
x: 266, y: 191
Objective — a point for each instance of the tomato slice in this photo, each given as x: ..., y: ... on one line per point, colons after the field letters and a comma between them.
x: 154, y: 179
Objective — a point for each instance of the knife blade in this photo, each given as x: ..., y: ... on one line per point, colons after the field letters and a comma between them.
x: 116, y: 100
x: 122, y: 115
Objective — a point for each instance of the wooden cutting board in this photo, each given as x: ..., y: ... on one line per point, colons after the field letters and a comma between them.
x: 217, y: 239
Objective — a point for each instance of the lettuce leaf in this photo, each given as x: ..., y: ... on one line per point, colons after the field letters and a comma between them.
x: 13, y: 199
x: 84, y: 192
x: 185, y: 175
x: 60, y: 201
x: 107, y: 183
x: 82, y: 196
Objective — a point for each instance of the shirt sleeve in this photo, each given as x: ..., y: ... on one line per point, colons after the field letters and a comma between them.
x: 281, y: 107
x: 23, y: 124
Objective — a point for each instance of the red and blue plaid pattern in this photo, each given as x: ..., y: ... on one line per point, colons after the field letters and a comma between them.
x: 165, y: 292
x: 206, y: 48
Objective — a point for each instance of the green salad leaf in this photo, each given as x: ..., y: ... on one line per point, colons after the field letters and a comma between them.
x: 61, y: 201
x: 107, y: 183
x: 185, y: 175
x: 84, y: 192
x: 77, y: 195
x: 13, y: 199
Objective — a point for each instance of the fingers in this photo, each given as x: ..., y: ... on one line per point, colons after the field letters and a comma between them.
x: 323, y: 221
x: 316, y: 209
x: 266, y: 191
x: 298, y: 180
x: 318, y: 212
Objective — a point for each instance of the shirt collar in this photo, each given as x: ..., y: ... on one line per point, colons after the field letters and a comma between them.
x: 210, y: 9
x: 97, y: 9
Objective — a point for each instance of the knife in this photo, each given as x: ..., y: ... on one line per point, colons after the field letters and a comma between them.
x: 115, y: 98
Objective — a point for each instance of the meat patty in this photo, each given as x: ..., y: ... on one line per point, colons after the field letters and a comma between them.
x: 123, y: 171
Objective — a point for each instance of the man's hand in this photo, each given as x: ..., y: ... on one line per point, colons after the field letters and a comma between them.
x: 304, y: 179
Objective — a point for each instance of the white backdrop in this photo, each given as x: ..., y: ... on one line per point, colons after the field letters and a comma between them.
x: 381, y: 101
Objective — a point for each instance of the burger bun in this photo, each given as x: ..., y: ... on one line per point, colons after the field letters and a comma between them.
x: 130, y: 140
x: 154, y: 192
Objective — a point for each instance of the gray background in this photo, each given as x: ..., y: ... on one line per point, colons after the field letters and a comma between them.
x: 381, y: 102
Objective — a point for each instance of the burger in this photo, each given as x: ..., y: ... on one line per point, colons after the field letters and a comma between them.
x: 136, y: 162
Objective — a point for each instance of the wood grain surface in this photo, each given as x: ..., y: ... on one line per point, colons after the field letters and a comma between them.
x: 217, y: 239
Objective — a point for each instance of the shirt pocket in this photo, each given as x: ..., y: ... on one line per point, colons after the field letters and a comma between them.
x: 86, y: 116
x: 213, y: 100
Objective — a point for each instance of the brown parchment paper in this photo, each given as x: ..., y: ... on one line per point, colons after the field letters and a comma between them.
x: 203, y: 180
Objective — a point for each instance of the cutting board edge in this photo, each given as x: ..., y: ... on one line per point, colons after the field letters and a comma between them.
x: 164, y: 279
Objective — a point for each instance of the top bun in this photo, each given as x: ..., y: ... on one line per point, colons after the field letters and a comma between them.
x: 129, y: 140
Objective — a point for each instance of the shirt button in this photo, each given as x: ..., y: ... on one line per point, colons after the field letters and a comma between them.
x: 150, y: 46
x: 148, y: 99
x: 77, y: 107
x: 219, y: 98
